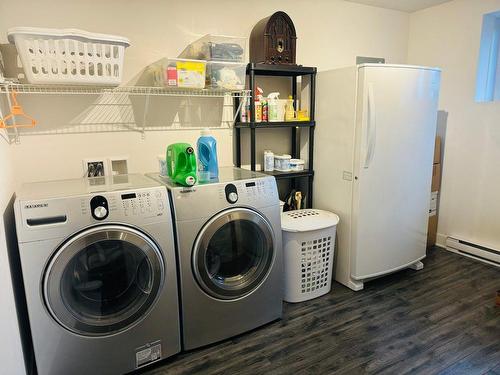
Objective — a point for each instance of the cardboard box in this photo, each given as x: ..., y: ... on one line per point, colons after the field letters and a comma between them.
x: 436, y: 177
x: 437, y: 151
x: 432, y: 229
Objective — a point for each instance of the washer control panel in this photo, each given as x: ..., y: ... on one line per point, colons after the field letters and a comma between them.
x: 142, y: 203
x: 125, y: 205
x: 54, y: 217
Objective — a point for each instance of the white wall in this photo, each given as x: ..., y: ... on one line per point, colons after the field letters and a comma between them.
x: 448, y: 36
x: 330, y: 34
x: 10, y: 345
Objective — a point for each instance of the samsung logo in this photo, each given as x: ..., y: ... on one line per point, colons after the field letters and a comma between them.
x: 36, y: 205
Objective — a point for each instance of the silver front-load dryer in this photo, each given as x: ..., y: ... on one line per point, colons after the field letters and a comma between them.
x: 99, y: 273
x: 230, y: 255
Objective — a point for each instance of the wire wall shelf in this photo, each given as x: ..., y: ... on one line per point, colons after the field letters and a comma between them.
x: 120, y: 109
x: 130, y: 90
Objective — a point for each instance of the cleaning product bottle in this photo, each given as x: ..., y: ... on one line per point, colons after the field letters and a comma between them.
x: 268, y: 161
x: 181, y: 164
x: 272, y: 103
x: 265, y: 110
x: 208, y: 168
x: 247, y: 108
x: 258, y: 104
x: 243, y: 112
x: 289, y: 110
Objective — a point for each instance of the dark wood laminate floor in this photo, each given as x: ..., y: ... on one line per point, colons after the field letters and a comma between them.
x: 442, y: 319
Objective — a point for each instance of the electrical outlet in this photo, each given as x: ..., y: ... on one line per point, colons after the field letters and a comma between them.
x: 118, y: 165
x: 95, y: 167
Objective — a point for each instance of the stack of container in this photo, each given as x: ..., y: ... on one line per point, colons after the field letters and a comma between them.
x: 212, y: 62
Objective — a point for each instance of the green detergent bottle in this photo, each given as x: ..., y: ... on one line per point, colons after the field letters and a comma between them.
x: 181, y: 164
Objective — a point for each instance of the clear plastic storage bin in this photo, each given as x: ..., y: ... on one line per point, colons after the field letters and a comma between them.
x: 226, y: 75
x: 217, y: 48
x: 308, y: 250
x: 179, y: 73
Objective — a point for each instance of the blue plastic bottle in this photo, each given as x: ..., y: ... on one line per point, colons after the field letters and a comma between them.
x: 208, y: 168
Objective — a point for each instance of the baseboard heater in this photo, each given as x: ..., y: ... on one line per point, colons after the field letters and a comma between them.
x: 472, y: 250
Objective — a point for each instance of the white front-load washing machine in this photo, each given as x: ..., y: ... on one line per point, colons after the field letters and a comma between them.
x: 99, y: 271
x: 230, y: 254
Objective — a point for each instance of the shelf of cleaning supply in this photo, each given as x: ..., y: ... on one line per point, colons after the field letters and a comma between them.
x: 271, y: 125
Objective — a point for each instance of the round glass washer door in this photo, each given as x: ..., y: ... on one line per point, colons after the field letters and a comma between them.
x: 103, y: 280
x: 233, y: 253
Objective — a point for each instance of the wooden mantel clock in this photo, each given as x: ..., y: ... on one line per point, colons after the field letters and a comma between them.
x: 273, y: 39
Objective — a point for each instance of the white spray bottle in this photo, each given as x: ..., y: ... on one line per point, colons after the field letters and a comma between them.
x: 272, y: 103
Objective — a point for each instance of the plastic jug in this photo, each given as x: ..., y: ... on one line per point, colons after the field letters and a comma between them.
x: 208, y: 167
x: 289, y: 109
x: 181, y: 164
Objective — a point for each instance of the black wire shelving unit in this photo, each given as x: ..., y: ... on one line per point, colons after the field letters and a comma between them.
x: 293, y: 72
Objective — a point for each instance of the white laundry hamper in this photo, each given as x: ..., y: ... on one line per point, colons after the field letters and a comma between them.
x: 308, y: 250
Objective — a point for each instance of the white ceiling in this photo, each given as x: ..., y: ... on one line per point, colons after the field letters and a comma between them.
x: 404, y: 5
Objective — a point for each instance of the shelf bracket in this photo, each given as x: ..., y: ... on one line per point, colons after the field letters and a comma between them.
x: 240, y: 106
x: 144, y: 117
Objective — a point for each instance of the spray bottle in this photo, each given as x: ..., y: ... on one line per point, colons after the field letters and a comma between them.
x: 265, y: 110
x: 272, y: 103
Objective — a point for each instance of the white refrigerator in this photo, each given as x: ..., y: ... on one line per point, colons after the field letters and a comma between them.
x: 375, y: 134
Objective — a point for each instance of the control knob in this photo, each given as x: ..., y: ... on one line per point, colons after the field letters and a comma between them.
x: 231, y: 193
x: 99, y: 207
x: 100, y: 212
x: 232, y: 197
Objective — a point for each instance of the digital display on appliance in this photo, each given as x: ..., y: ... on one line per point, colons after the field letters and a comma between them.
x: 250, y: 184
x: 129, y: 196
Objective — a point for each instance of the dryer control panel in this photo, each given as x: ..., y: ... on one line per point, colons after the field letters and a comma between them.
x: 203, y: 200
x: 260, y: 192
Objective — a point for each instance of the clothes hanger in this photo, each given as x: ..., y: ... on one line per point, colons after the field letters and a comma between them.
x: 16, y: 111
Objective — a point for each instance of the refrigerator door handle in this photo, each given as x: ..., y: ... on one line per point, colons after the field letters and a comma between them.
x: 371, y: 130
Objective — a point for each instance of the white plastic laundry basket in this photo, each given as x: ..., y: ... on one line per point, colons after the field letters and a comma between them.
x: 308, y: 247
x: 69, y: 56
